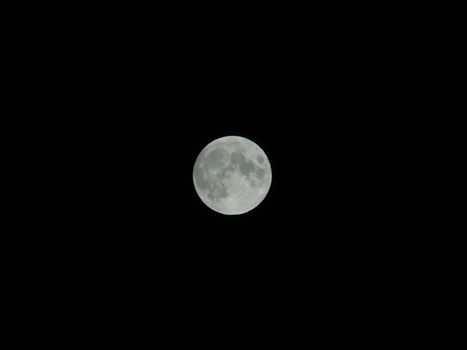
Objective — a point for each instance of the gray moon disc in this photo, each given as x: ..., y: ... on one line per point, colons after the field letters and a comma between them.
x: 232, y: 175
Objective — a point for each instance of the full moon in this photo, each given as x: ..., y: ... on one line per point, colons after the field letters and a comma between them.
x: 232, y: 175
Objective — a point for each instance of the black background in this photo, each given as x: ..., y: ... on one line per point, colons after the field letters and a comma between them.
x: 130, y: 101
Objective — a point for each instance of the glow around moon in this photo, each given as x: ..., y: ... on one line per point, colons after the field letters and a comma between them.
x: 232, y: 175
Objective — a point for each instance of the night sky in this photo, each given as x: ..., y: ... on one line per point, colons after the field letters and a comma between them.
x: 321, y: 95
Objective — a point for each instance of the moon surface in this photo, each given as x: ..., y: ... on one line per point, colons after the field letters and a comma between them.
x: 232, y: 175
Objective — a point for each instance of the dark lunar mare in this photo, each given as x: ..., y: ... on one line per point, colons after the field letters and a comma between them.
x: 215, y: 158
x: 216, y: 191
x: 245, y: 166
x: 260, y: 173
